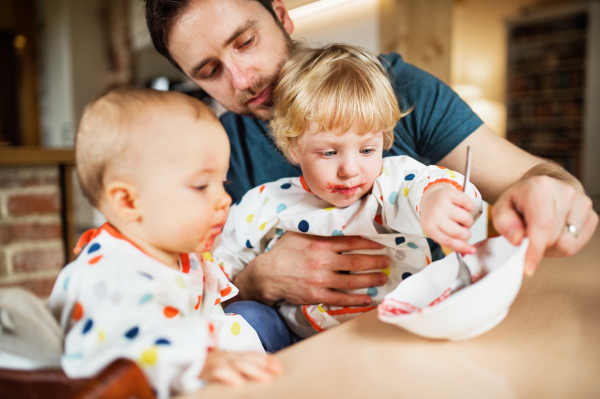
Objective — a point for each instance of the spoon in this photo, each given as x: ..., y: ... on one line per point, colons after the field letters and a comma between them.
x: 463, y: 278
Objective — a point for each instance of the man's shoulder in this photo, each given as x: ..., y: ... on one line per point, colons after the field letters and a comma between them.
x: 390, y: 59
x: 405, y: 76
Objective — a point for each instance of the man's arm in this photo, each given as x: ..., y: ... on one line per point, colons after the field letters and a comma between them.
x: 532, y: 197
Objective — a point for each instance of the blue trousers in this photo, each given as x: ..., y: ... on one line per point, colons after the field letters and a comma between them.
x: 273, y: 332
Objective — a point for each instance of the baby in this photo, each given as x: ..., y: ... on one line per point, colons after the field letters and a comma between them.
x: 335, y: 115
x: 154, y: 164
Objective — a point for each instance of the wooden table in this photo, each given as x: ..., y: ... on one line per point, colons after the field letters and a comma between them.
x: 547, y: 347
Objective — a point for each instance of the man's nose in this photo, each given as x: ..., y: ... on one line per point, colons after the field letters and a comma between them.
x: 241, y: 76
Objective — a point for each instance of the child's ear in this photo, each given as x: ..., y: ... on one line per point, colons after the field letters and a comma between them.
x: 123, y: 200
x: 292, y: 156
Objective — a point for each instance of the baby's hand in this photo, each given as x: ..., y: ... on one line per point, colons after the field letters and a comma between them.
x: 236, y: 368
x: 446, y: 217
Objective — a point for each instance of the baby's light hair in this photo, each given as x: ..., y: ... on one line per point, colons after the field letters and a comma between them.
x: 336, y: 87
x: 110, y: 129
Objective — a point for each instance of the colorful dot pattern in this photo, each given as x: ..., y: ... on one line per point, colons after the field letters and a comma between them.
x: 398, y: 189
x: 97, y: 328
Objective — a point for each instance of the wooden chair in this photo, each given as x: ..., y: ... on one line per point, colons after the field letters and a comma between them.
x: 121, y: 379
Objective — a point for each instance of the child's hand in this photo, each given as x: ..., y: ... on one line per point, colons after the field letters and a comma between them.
x: 446, y: 217
x: 235, y: 368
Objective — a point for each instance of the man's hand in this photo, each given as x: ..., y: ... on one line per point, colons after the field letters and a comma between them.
x: 304, y: 270
x: 446, y: 217
x: 540, y: 207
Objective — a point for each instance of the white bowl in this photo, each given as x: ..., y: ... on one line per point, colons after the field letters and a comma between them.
x: 422, y: 305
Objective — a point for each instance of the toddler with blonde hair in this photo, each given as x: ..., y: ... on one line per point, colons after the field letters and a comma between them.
x: 335, y: 116
x: 154, y: 164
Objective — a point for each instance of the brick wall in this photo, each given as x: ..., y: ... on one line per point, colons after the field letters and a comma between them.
x: 31, y: 244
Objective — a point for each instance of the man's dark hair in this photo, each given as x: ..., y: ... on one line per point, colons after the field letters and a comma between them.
x: 160, y: 13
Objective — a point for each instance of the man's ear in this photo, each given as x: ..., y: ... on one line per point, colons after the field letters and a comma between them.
x: 123, y: 200
x: 283, y: 16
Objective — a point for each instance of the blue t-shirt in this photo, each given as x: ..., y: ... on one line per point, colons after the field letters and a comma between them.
x: 439, y: 122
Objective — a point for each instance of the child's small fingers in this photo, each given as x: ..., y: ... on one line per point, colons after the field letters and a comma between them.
x: 254, y: 370
x: 274, y: 365
x: 461, y: 199
x: 462, y: 217
x: 454, y: 230
x: 227, y: 375
x: 457, y: 245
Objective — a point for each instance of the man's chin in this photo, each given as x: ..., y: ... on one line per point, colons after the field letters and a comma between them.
x: 260, y: 112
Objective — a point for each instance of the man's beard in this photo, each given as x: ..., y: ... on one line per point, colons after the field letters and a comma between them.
x: 246, y: 95
x: 262, y: 84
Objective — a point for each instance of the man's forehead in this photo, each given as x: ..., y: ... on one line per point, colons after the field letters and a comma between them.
x: 207, y: 25
x: 216, y: 17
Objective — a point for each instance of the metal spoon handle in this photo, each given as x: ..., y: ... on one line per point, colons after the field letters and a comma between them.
x: 467, y: 169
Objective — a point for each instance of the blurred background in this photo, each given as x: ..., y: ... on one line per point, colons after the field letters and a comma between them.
x: 529, y: 68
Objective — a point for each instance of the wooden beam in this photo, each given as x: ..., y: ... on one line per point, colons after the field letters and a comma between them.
x: 18, y: 156
x: 29, y: 111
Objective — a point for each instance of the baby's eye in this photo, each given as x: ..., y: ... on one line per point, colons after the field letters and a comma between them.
x: 201, y: 188
x: 367, y: 151
x: 328, y: 154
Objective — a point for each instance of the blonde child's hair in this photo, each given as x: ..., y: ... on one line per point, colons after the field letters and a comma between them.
x: 336, y: 87
x: 114, y: 128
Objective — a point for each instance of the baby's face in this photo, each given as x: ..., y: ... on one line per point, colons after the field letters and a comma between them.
x: 341, y: 168
x: 183, y: 203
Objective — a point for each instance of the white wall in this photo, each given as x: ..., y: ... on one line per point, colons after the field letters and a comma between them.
x: 73, y: 69
x: 72, y: 65
x: 355, y: 22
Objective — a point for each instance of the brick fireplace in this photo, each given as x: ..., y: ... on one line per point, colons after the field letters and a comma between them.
x: 32, y: 225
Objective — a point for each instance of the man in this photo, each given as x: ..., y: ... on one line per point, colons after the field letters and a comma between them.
x: 234, y: 50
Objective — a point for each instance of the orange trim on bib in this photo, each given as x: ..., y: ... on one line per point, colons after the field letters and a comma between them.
x: 185, y: 262
x: 310, y: 320
x: 304, y: 185
x: 444, y: 180
x: 338, y: 312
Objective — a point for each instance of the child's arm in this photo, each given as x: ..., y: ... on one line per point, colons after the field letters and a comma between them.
x: 428, y: 200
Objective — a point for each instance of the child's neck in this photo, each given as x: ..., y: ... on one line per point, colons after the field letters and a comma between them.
x: 170, y: 259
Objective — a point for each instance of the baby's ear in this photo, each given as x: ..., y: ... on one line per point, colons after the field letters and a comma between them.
x: 123, y: 200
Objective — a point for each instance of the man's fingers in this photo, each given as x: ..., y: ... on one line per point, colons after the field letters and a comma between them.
x: 507, y: 221
x: 539, y: 231
x: 337, y: 298
x: 345, y: 244
x: 585, y: 220
x: 358, y: 262
x: 357, y: 281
